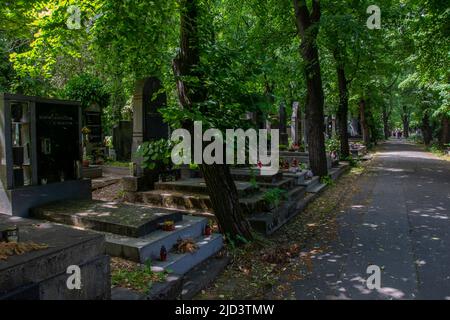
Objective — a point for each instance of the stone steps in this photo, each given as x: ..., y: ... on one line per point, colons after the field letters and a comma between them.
x: 127, y: 234
x: 182, y: 263
x: 246, y: 175
x: 339, y: 170
x: 176, y: 200
x: 198, y: 185
x: 117, y: 218
x: 299, y: 177
x: 149, y: 247
x: 285, y: 184
x: 269, y: 222
x: 311, y: 184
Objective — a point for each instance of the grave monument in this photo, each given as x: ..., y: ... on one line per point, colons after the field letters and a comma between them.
x: 40, y: 153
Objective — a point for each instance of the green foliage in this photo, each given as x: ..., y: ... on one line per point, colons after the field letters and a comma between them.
x: 87, y: 89
x: 333, y: 144
x: 275, y: 196
x: 249, y: 57
x: 155, y: 153
x: 438, y: 149
x: 327, y: 180
x: 120, y: 164
x: 352, y: 161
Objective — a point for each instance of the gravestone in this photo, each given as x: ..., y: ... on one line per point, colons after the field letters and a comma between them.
x: 303, y: 122
x: 295, y: 122
x: 40, y: 153
x: 93, y: 121
x: 333, y: 126
x: 55, y: 126
x: 147, y: 121
x: 284, y: 138
x: 122, y: 140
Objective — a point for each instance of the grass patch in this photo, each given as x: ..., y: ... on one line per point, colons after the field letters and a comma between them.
x: 120, y: 164
x: 134, y: 276
x: 440, y: 151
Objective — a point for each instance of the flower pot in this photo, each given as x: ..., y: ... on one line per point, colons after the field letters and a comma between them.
x: 86, y: 163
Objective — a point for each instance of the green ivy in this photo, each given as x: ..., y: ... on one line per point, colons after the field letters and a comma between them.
x: 155, y: 153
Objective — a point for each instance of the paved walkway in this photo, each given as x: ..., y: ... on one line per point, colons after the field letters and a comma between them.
x: 399, y: 221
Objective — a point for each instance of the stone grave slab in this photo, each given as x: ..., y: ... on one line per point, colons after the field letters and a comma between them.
x: 245, y: 174
x: 42, y: 274
x: 118, y: 218
x: 198, y: 185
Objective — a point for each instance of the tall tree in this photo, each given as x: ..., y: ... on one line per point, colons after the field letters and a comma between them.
x: 221, y: 187
x: 308, y: 27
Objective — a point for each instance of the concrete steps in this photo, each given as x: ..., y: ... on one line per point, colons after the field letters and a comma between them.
x: 246, y: 174
x: 133, y: 231
x: 311, y: 184
x: 182, y: 263
x: 198, y: 185
x: 149, y: 247
x: 339, y: 170
x: 176, y: 200
x: 284, y: 184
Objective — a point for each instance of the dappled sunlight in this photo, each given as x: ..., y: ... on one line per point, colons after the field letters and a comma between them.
x: 392, y: 293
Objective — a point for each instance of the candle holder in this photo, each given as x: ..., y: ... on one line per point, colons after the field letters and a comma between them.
x: 10, y: 235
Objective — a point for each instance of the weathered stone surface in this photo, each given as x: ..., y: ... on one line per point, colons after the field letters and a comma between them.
x: 66, y: 247
x: 247, y: 174
x: 149, y: 247
x: 198, y: 185
x: 95, y: 283
x: 117, y: 218
x: 21, y: 200
x: 92, y: 172
x: 130, y: 184
x: 203, y: 276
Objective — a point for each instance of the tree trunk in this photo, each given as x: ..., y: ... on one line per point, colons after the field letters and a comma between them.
x: 221, y: 187
x: 342, y: 113
x: 223, y: 194
x: 364, y: 124
x: 445, y: 130
x: 426, y: 129
x: 405, y: 120
x: 308, y: 27
x: 387, y: 131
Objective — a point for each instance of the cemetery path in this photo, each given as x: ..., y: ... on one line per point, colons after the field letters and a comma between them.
x: 399, y: 220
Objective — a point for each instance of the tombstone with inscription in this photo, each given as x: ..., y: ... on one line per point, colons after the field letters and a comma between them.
x: 40, y: 153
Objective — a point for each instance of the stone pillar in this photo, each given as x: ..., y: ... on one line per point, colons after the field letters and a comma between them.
x: 138, y: 125
x: 284, y: 138
x: 305, y: 131
x: 295, y: 121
